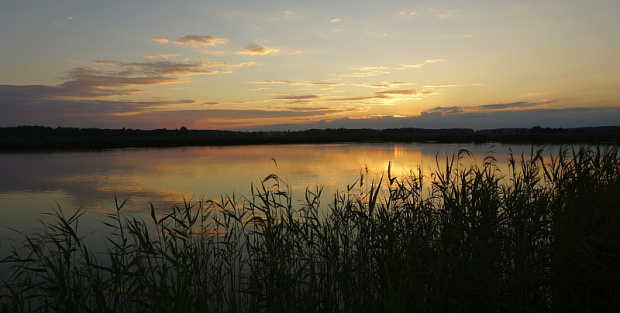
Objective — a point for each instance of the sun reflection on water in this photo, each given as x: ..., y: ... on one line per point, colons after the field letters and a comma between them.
x: 164, y: 177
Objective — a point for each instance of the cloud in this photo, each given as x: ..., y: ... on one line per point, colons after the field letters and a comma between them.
x: 84, y: 82
x: 407, y: 13
x: 295, y: 83
x: 321, y: 110
x: 401, y: 92
x: 392, y: 95
x: 297, y: 98
x: 566, y: 118
x: 161, y: 56
x: 194, y: 40
x: 107, y: 63
x: 384, y: 84
x: 122, y: 80
x: 20, y: 106
x: 284, y: 82
x: 447, y: 85
x: 322, y: 83
x: 161, y: 40
x: 511, y: 106
x: 336, y: 20
x: 447, y: 14
x: 168, y: 68
x: 366, y: 71
x: 419, y: 65
x: 64, y: 22
x: 256, y: 49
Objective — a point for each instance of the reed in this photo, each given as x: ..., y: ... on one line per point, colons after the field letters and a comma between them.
x: 542, y: 237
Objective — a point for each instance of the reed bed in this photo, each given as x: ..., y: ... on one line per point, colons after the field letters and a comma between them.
x: 542, y: 237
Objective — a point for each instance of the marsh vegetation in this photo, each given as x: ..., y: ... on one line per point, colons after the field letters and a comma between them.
x: 542, y: 237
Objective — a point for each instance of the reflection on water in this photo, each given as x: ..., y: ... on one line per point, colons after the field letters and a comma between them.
x: 36, y: 182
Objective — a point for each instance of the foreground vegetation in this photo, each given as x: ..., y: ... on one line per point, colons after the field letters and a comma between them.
x: 543, y: 237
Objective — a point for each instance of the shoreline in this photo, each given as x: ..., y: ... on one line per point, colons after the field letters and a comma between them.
x: 37, y: 138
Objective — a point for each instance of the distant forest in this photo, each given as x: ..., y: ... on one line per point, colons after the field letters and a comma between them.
x: 24, y: 138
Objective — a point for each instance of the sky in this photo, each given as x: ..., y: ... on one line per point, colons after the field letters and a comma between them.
x: 292, y: 65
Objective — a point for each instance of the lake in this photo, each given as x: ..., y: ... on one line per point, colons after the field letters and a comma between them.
x: 35, y: 183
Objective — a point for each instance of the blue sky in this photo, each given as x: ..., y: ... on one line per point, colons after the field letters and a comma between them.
x: 307, y: 64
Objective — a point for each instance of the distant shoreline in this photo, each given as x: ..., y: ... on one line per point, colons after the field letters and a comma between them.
x: 39, y: 138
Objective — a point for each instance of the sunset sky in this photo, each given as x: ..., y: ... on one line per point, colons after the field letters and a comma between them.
x: 310, y: 64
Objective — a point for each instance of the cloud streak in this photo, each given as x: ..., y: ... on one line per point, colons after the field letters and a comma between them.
x: 419, y: 65
x: 194, y: 40
x: 366, y: 71
x: 296, y: 83
x: 575, y: 117
x: 64, y: 22
x: 256, y: 49
x: 384, y: 85
x: 393, y: 96
x: 161, y: 56
x: 88, y: 93
x: 511, y: 106
x: 92, y: 82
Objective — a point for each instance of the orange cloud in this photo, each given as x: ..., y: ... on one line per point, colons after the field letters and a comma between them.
x: 419, y: 65
x: 295, y: 83
x: 256, y: 49
x: 367, y: 71
x: 161, y: 56
x: 384, y: 84
x: 194, y: 40
x: 161, y: 40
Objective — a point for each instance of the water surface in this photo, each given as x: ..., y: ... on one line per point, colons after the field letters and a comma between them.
x: 34, y: 183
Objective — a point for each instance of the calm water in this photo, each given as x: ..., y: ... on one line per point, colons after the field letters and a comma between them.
x: 34, y: 183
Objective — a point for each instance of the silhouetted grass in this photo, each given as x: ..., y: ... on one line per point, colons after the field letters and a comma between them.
x: 543, y: 237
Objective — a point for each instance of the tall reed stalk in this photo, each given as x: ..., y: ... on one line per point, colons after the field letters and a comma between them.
x: 542, y: 237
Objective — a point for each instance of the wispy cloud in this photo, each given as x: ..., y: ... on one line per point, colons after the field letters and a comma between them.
x: 290, y: 14
x: 161, y: 56
x: 419, y: 65
x: 575, y: 117
x: 402, y: 92
x: 407, y: 13
x: 284, y: 82
x: 161, y: 40
x: 384, y: 85
x: 173, y: 68
x: 447, y: 14
x: 194, y: 40
x: 64, y: 22
x: 390, y: 97
x: 447, y: 85
x: 107, y: 63
x: 297, y: 98
x: 366, y: 71
x: 256, y: 49
x: 122, y: 79
x: 295, y: 83
x: 494, y: 107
